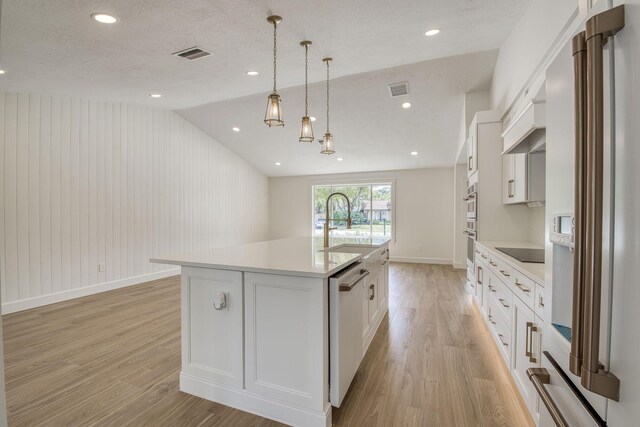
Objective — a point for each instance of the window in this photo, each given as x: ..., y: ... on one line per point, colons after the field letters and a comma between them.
x: 371, y: 209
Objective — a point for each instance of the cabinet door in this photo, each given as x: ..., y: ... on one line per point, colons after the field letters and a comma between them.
x: 514, y: 178
x: 366, y: 324
x: 527, y: 340
x: 383, y: 285
x: 472, y: 150
x: 208, y: 325
x: 520, y: 177
x: 372, y: 295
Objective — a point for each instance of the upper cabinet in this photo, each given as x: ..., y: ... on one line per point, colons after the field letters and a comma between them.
x: 523, y: 178
x: 472, y: 150
x: 525, y: 132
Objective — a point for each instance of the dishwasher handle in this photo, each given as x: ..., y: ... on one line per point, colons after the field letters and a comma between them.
x: 346, y: 287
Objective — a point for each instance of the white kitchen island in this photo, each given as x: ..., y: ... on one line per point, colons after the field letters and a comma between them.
x: 256, y: 323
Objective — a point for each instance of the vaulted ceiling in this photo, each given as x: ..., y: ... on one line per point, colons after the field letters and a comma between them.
x: 54, y: 47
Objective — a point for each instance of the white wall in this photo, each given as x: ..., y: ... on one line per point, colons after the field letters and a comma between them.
x: 423, y: 199
x: 460, y: 215
x: 86, y: 182
x: 522, y: 53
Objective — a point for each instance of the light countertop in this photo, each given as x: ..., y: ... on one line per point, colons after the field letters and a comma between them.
x: 534, y: 271
x: 295, y: 256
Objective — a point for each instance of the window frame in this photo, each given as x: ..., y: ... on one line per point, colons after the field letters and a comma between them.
x: 336, y: 182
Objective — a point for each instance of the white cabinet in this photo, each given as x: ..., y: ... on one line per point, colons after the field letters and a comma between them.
x: 208, y: 325
x: 472, y: 149
x: 375, y: 291
x: 526, y: 350
x: 523, y: 178
x: 480, y: 284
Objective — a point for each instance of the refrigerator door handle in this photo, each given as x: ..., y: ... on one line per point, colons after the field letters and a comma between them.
x: 539, y: 377
x: 579, y: 50
x: 593, y: 378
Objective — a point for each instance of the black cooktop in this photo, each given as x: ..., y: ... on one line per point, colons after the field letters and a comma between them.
x: 525, y: 255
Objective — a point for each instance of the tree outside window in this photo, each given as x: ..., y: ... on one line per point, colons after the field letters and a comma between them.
x: 371, y: 210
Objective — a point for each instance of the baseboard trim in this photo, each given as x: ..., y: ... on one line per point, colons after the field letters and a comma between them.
x: 29, y: 303
x: 255, y: 404
x: 460, y: 265
x: 419, y: 260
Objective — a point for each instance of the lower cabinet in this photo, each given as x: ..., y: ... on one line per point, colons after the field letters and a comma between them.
x: 515, y: 326
x: 212, y: 306
x: 527, y: 350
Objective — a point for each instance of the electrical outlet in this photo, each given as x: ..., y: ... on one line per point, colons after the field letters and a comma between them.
x: 102, y: 267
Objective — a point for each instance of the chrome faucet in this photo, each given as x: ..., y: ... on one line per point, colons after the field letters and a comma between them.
x: 327, y: 228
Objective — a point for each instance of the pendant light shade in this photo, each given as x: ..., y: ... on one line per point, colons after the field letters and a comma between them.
x: 306, y: 129
x: 327, y: 142
x: 273, y: 115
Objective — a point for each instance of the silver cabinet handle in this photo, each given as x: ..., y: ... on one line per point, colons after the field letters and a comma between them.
x: 491, y: 319
x: 540, y: 301
x: 539, y: 377
x: 492, y: 289
x: 502, y: 340
x: 528, y: 345
x: 372, y: 295
x: 493, y: 263
x: 505, y: 274
x: 346, y: 287
x: 522, y: 288
x: 511, y: 181
x: 503, y: 303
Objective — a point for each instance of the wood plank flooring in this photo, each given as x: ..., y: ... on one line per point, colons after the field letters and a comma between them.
x: 113, y: 359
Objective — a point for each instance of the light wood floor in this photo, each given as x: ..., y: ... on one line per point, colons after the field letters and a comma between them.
x: 113, y: 360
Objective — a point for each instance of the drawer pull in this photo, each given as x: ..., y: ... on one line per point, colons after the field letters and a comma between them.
x: 477, y: 251
x: 503, y: 303
x: 522, y: 288
x: 505, y: 274
x: 372, y: 295
x: 492, y: 289
x: 502, y: 341
x: 528, y: 345
x: 484, y: 256
x: 493, y: 263
x: 491, y: 319
x: 539, y: 377
x: 540, y: 301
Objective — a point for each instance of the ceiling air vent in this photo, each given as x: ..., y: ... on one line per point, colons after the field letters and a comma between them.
x: 399, y: 89
x: 192, y: 53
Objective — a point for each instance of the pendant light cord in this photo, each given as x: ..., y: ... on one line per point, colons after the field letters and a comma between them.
x: 306, y: 87
x: 275, y: 30
x: 328, y: 96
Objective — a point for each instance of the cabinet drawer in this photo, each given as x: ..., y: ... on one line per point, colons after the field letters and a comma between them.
x: 539, y: 302
x: 524, y: 288
x: 482, y: 254
x: 501, y: 269
x: 502, y: 296
x: 501, y: 328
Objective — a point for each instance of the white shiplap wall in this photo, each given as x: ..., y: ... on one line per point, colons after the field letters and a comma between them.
x: 86, y: 182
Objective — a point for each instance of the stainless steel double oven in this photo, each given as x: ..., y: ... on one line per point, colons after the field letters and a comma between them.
x: 472, y: 205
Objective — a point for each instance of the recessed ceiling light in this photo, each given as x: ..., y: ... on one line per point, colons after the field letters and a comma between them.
x: 104, y: 18
x: 235, y: 129
x: 432, y: 32
x: 406, y: 105
x: 252, y: 73
x: 339, y: 159
x: 313, y: 119
x: 155, y: 95
x: 278, y: 163
x: 3, y: 72
x: 414, y: 153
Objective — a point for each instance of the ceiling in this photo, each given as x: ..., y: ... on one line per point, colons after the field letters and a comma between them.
x: 55, y: 47
x: 371, y: 129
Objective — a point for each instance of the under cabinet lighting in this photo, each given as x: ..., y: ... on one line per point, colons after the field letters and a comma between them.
x: 104, y: 18
x: 432, y: 32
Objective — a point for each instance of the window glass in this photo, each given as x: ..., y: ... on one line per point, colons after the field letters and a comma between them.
x: 371, y: 209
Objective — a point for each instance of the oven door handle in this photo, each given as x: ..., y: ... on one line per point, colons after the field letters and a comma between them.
x: 539, y: 377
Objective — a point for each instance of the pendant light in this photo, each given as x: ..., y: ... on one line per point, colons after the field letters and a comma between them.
x: 273, y: 116
x: 306, y: 130
x: 327, y: 143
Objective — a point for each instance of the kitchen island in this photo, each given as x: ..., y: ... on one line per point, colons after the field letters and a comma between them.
x: 259, y: 323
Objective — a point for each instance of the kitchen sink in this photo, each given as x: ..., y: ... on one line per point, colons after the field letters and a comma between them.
x: 351, y: 249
